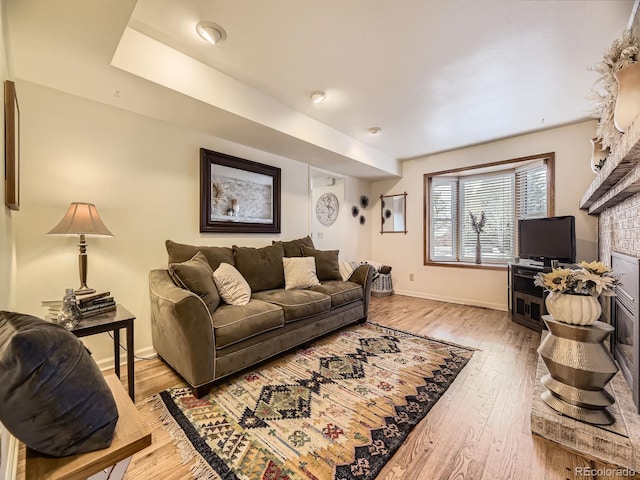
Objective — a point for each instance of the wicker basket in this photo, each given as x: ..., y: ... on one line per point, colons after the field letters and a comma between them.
x: 382, y: 286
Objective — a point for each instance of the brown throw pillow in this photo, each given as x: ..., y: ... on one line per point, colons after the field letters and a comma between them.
x: 196, y: 276
x: 261, y: 267
x: 179, y: 252
x: 327, y: 266
x: 293, y: 248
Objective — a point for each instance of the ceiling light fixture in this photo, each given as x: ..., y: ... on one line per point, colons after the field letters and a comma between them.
x: 375, y: 130
x: 211, y: 32
x: 318, y: 96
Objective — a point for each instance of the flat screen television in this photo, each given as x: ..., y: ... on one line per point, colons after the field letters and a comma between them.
x: 547, y: 239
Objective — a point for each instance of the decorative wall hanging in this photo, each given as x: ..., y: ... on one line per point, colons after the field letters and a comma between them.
x: 364, y: 201
x: 621, y: 53
x: 11, y: 147
x: 327, y: 208
x: 238, y: 195
x: 355, y: 210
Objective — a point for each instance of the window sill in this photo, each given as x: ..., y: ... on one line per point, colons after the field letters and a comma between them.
x: 482, y: 266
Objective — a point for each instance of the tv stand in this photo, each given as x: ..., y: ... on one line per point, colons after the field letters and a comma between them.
x: 526, y: 300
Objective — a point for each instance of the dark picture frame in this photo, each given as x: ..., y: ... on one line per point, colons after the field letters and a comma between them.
x: 238, y: 195
x: 11, y: 146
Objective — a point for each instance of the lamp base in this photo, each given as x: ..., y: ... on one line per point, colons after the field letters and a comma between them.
x: 84, y: 290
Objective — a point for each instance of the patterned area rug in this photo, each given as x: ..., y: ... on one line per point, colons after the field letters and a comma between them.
x: 337, y: 410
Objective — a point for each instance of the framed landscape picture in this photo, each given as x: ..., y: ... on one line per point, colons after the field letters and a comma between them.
x: 237, y: 195
x: 11, y: 146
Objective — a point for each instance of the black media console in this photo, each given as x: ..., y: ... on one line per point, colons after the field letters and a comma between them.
x: 526, y: 300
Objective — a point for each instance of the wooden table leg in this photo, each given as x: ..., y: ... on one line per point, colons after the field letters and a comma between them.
x: 116, y: 351
x: 130, y: 365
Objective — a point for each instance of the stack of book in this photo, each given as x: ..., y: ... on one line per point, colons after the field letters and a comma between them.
x: 96, y: 304
x: 53, y: 309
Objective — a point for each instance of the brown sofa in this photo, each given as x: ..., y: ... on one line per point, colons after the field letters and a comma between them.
x: 204, y: 342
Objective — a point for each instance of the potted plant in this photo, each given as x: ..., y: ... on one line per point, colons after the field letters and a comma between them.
x: 573, y: 293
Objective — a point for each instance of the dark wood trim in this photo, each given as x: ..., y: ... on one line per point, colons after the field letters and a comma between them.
x: 209, y: 158
x: 482, y: 266
x: 551, y: 184
x: 11, y: 146
x: 529, y: 158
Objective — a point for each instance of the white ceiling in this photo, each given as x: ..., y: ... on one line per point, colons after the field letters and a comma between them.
x: 433, y: 74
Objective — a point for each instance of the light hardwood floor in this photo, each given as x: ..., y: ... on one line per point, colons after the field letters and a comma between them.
x: 478, y: 430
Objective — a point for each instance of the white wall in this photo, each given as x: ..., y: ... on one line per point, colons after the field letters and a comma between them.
x: 143, y: 175
x: 475, y: 286
x: 7, y: 246
x: 332, y: 236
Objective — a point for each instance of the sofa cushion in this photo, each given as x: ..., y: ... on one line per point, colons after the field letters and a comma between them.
x: 196, y: 276
x: 341, y: 293
x: 299, y: 272
x: 297, y: 304
x: 293, y: 248
x: 233, y: 288
x: 179, y: 252
x: 327, y: 266
x: 53, y: 395
x: 261, y: 267
x: 234, y: 323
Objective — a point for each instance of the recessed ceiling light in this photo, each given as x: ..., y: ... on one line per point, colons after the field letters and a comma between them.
x: 318, y: 96
x: 375, y: 130
x: 211, y: 32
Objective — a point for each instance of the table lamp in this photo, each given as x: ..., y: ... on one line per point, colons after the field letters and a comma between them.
x: 81, y: 219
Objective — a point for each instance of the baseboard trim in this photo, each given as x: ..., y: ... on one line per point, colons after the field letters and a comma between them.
x: 108, y: 363
x: 459, y: 301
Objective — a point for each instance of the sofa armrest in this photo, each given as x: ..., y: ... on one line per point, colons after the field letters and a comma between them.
x: 181, y: 329
x: 364, y: 276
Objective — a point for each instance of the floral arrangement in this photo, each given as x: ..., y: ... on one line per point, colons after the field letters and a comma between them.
x: 478, y: 223
x: 594, y: 278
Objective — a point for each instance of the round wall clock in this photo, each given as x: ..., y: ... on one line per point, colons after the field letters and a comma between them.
x: 327, y: 209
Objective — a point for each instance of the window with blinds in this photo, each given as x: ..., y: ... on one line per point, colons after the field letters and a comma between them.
x: 512, y: 191
x: 494, y: 195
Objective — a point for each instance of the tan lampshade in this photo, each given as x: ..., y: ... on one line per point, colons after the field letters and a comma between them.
x: 81, y: 218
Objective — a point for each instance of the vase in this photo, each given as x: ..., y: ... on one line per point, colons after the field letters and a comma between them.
x: 478, y: 250
x: 599, y: 155
x: 69, y: 315
x: 573, y: 309
x: 627, y: 105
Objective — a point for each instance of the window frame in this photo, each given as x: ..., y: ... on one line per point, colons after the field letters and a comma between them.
x: 511, y: 164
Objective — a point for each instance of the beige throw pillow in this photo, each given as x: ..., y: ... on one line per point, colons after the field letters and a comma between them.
x: 299, y: 272
x: 232, y: 286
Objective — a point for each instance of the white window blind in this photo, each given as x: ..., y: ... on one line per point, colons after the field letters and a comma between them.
x: 493, y: 194
x: 505, y: 196
x: 531, y: 191
x: 443, y: 209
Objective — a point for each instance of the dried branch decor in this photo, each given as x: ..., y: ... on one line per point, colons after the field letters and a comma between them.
x: 621, y: 53
x: 219, y: 195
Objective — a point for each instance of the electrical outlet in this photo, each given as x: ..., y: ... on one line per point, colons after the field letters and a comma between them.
x: 411, y: 278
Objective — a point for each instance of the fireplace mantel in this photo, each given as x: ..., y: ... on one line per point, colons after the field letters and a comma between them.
x: 620, y: 175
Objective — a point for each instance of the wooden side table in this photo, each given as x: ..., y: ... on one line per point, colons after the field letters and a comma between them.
x: 112, y: 322
x: 130, y: 436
